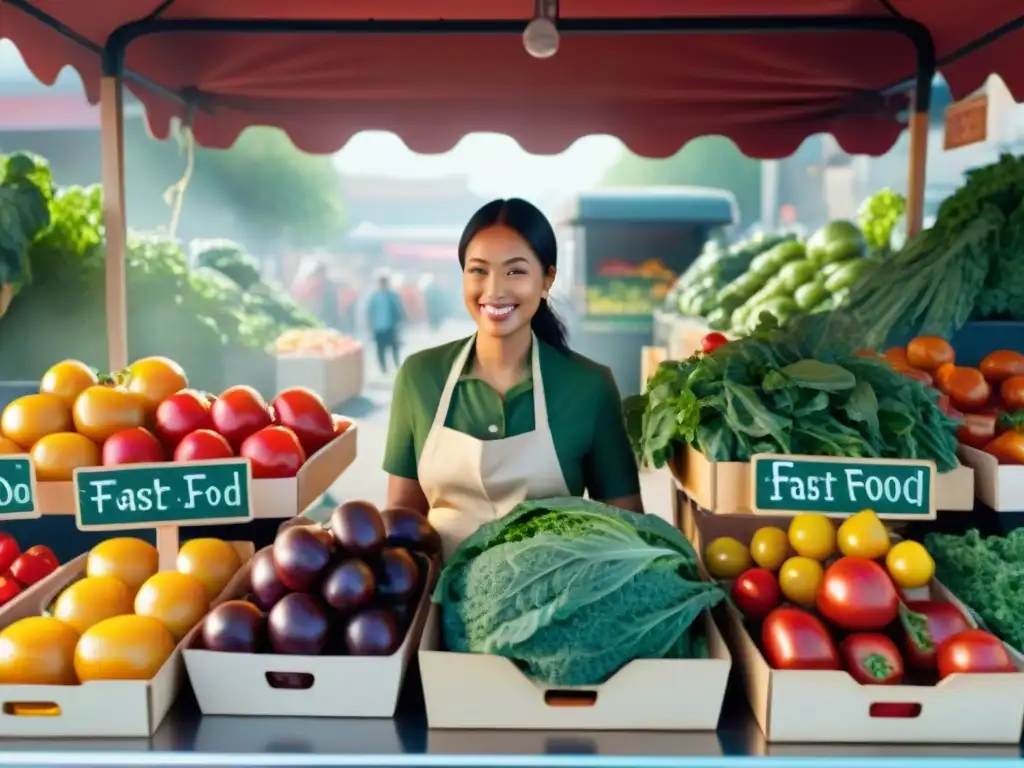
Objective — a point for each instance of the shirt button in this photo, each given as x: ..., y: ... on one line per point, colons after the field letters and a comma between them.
x: 493, y: 428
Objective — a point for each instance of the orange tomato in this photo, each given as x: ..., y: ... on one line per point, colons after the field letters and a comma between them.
x: 1002, y: 364
x: 91, y: 600
x: 129, y: 559
x: 929, y: 353
x: 967, y: 388
x: 1008, y: 448
x: 942, y: 376
x: 9, y: 448
x: 32, y: 417
x: 897, y: 357
x: 57, y: 456
x: 101, y: 411
x: 123, y: 648
x: 67, y: 380
x: 212, y: 561
x: 177, y: 600
x: 1011, y: 392
x: 154, y: 379
x: 38, y: 650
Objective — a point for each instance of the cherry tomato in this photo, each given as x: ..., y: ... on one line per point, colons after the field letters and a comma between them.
x: 132, y: 446
x: 181, y: 414
x: 792, y: 638
x: 1012, y: 393
x: 857, y: 594
x: 973, y: 651
x: 872, y: 659
x: 1008, y: 448
x: 1001, y: 365
x: 303, y: 411
x: 756, y: 593
x: 274, y: 452
x: 967, y: 388
x: 43, y: 551
x: 9, y: 589
x: 925, y: 625
x: 31, y: 567
x: 239, y: 412
x: 713, y: 341
x: 203, y: 445
x: 928, y: 353
x: 9, y: 551
x: 977, y: 430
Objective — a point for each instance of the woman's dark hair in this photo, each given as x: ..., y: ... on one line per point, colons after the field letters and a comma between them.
x: 533, y: 226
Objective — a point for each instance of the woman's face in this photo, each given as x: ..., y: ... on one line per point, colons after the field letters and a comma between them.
x: 503, y: 281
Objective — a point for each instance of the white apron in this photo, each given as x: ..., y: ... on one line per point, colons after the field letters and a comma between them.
x: 469, y: 482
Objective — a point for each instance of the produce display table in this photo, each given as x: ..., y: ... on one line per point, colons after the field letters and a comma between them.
x: 188, y: 738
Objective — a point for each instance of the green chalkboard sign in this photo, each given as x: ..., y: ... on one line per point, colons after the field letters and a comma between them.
x: 152, y: 495
x: 894, y: 489
x: 17, y: 488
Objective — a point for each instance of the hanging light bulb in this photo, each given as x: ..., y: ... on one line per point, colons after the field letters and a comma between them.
x: 540, y: 38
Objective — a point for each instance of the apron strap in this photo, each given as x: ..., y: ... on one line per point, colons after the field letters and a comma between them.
x: 441, y: 415
x: 540, y: 403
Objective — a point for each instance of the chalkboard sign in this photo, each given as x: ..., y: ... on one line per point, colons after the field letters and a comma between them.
x: 152, y: 495
x: 17, y: 488
x: 894, y: 489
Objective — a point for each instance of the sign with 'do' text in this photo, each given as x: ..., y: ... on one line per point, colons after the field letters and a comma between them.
x: 17, y: 488
x: 153, y: 495
x: 895, y: 489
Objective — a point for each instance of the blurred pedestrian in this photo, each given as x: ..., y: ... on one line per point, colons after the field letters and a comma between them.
x: 385, y: 316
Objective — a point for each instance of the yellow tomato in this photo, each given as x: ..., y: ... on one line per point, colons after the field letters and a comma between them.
x: 177, y: 600
x: 863, y: 535
x: 38, y: 650
x: 123, y: 648
x: 812, y: 535
x: 154, y: 379
x: 126, y: 558
x: 91, y: 600
x: 32, y: 417
x: 769, y: 547
x: 212, y: 561
x: 726, y: 558
x: 799, y: 579
x: 101, y: 411
x: 910, y: 565
x: 10, y: 448
x: 67, y: 380
x: 57, y: 456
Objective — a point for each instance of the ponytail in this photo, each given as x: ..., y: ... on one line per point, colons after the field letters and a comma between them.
x: 549, y: 328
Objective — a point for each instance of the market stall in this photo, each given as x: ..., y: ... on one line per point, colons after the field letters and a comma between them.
x: 766, y: 91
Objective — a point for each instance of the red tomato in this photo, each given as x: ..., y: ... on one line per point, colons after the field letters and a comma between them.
x: 132, y: 446
x: 181, y: 414
x: 795, y: 639
x: 303, y: 411
x: 203, y: 445
x: 239, y: 412
x: 9, y: 551
x: 44, y: 552
x: 31, y: 567
x: 756, y: 593
x: 872, y: 659
x: 713, y: 341
x: 273, y: 452
x: 977, y: 430
x: 9, y: 589
x: 973, y: 651
x: 857, y: 594
x: 925, y: 625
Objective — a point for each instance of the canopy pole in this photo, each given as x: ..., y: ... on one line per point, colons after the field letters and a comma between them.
x: 918, y: 162
x: 114, y: 220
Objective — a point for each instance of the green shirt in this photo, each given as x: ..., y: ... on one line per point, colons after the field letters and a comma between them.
x: 584, y: 413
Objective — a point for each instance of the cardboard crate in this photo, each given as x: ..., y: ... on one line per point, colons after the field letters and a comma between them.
x: 107, y: 708
x: 336, y: 379
x: 726, y: 487
x: 479, y: 691
x: 340, y: 686
x: 813, y: 706
x: 999, y: 486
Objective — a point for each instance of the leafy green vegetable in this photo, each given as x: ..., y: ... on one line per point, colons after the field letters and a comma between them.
x: 782, y: 392
x: 25, y: 192
x: 878, y: 217
x: 572, y: 590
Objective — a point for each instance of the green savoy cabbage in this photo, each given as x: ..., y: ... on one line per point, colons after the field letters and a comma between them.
x: 572, y: 590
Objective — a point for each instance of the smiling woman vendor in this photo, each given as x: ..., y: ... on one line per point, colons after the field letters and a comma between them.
x: 511, y: 413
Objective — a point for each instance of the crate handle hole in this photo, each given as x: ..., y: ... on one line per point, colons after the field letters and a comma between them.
x: 556, y: 698
x: 895, y: 709
x: 295, y: 681
x: 570, y: 747
x: 32, y: 708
